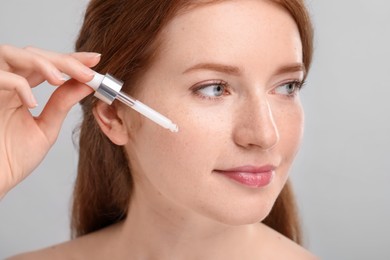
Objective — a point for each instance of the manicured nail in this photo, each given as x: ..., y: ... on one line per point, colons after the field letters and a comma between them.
x: 33, y: 101
x: 59, y: 75
x: 87, y: 71
x: 93, y: 54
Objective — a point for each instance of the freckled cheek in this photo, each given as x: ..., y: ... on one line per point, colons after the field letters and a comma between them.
x: 198, y: 132
x: 182, y: 161
x: 198, y: 142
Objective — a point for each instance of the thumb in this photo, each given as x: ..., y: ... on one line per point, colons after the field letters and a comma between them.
x: 58, y: 106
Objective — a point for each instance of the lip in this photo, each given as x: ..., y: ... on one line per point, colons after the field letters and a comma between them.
x: 251, y: 176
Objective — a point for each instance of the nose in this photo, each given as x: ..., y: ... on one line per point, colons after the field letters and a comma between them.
x: 256, y: 126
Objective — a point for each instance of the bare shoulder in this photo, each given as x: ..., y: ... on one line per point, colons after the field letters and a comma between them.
x: 52, y: 252
x: 66, y: 250
x: 281, y: 247
x: 90, y: 246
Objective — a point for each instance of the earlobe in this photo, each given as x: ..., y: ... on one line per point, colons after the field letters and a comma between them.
x: 110, y: 123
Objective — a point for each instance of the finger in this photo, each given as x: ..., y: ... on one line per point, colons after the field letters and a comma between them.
x: 58, y: 106
x: 72, y: 64
x: 89, y: 59
x: 13, y: 82
x: 24, y: 63
x: 35, y: 79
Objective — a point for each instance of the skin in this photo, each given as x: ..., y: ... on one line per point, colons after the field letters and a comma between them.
x: 248, y: 125
x: 182, y: 207
x: 24, y: 139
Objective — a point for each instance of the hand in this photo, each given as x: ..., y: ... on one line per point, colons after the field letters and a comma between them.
x: 24, y: 139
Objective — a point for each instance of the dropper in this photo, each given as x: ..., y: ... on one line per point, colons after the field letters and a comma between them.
x: 107, y: 88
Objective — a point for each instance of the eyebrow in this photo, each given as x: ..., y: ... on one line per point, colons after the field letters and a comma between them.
x: 227, y: 69
x: 295, y: 67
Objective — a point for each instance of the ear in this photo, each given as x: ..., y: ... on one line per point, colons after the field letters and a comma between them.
x: 110, y: 123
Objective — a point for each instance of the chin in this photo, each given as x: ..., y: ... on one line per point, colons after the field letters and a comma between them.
x: 249, y: 218
x: 237, y: 216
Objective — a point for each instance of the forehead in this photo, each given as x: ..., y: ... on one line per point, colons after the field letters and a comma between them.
x: 224, y: 29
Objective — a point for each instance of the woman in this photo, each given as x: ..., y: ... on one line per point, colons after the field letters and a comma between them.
x: 228, y: 73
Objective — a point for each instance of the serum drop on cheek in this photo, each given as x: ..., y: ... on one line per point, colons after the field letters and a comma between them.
x: 107, y: 88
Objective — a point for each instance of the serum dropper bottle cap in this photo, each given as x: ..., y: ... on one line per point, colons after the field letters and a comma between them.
x: 107, y: 88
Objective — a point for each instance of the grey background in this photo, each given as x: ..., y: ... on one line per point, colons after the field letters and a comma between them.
x: 341, y: 175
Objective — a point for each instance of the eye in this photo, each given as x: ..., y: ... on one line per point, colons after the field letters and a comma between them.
x: 212, y: 89
x: 289, y: 89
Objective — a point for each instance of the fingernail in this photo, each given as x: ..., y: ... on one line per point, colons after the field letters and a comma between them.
x: 33, y: 101
x: 93, y: 54
x: 87, y: 71
x: 59, y: 75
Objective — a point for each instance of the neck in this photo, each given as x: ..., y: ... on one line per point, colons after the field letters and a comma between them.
x: 161, y: 230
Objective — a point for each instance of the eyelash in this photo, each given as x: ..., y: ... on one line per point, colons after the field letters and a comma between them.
x: 298, y: 86
x: 297, y: 83
x: 204, y: 85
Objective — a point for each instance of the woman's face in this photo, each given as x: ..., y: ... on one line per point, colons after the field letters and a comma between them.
x: 228, y: 75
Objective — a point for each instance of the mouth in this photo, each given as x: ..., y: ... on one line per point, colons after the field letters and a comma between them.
x: 250, y: 176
